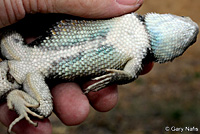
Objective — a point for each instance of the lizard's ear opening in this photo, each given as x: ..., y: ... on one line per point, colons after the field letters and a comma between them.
x: 169, y: 35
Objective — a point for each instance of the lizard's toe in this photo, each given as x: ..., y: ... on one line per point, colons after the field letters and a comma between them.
x: 21, y: 102
x: 98, y: 85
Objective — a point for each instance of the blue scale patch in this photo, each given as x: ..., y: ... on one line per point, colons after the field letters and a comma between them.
x: 91, y: 62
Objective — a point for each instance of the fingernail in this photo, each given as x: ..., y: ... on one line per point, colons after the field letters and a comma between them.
x: 130, y: 2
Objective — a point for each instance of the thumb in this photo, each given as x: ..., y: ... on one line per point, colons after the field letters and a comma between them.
x: 13, y: 10
x: 97, y: 8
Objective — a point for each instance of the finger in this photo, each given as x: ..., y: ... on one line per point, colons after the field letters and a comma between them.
x: 103, y: 100
x: 96, y: 8
x: 12, y: 11
x: 23, y: 127
x: 70, y: 104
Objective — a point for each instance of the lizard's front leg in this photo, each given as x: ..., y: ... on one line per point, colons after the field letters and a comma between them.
x: 130, y: 72
x: 36, y: 100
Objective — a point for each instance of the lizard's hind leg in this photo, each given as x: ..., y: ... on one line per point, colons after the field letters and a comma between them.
x: 35, y: 100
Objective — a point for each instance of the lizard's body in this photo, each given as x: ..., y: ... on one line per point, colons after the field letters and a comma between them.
x: 56, y: 54
x: 110, y: 51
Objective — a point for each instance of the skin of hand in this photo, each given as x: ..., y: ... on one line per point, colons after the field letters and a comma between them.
x: 70, y: 104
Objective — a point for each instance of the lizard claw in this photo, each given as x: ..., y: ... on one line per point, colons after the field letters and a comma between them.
x: 20, y: 118
x: 109, y: 71
x: 99, y: 85
x: 112, y: 76
x: 20, y: 101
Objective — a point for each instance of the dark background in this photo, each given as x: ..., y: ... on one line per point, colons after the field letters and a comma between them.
x: 167, y: 96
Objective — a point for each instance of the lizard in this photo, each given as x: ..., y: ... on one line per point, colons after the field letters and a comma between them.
x: 111, y: 51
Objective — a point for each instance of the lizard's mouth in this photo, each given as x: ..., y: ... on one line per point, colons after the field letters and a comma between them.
x: 194, y: 40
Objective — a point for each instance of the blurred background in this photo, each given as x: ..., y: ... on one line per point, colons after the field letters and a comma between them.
x: 167, y: 96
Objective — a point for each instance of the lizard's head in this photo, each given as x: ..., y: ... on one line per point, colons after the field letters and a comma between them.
x: 170, y: 35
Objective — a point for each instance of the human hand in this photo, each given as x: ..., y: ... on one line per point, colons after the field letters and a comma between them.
x: 70, y: 105
x: 12, y: 11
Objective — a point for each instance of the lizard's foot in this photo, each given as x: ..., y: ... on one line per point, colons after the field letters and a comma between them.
x: 105, y: 80
x: 21, y: 102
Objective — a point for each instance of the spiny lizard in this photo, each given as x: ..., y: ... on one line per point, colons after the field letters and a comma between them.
x: 110, y: 51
